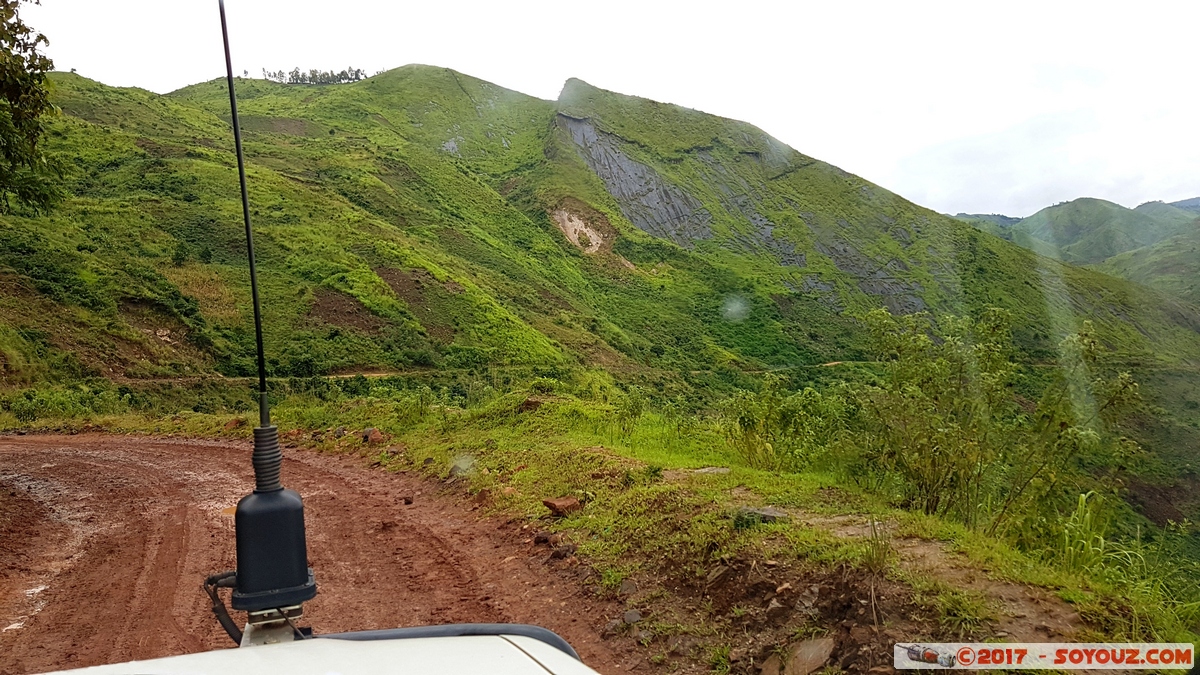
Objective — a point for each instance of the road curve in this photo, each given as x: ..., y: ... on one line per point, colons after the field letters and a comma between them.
x: 104, y: 541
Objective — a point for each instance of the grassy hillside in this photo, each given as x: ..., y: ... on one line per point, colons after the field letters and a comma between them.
x: 638, y: 269
x: 1192, y: 204
x: 1172, y: 265
x: 416, y: 219
x: 992, y: 223
x: 409, y: 220
x: 1092, y: 230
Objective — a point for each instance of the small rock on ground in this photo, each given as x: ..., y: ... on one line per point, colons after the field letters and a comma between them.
x: 613, y: 627
x: 682, y: 645
x: 562, y: 506
x: 717, y: 574
x: 632, y: 616
x: 564, y: 551
x: 776, y: 611
x: 766, y: 514
x: 808, y: 656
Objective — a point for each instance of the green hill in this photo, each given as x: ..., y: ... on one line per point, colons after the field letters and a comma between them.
x: 1172, y: 265
x: 1090, y: 230
x: 1192, y: 204
x: 425, y: 218
x: 992, y: 223
x: 596, y: 296
x: 1100, y: 232
x: 1000, y: 221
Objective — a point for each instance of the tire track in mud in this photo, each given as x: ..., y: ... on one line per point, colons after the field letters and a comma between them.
x: 120, y: 531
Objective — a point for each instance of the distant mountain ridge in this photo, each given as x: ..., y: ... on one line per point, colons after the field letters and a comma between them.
x: 1088, y: 230
x: 1153, y: 244
x: 1171, y: 265
x: 994, y: 218
x: 1192, y: 204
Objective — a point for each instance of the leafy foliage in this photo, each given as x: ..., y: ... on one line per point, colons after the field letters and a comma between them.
x: 940, y: 430
x: 942, y: 415
x: 774, y: 429
x: 26, y: 172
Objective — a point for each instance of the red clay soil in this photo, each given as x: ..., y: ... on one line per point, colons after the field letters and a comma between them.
x: 104, y: 541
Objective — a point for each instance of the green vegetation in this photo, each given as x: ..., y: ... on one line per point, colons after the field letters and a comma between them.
x: 1034, y: 498
x: 315, y: 76
x: 408, y: 226
x: 1171, y: 265
x: 1154, y: 244
x: 26, y: 172
x: 1092, y: 230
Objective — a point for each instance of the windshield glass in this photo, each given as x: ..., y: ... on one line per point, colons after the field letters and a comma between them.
x: 799, y: 324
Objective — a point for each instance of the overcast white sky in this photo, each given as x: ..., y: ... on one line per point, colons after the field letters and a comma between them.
x: 960, y: 106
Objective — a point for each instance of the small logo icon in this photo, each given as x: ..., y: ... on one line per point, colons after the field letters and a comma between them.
x: 922, y: 654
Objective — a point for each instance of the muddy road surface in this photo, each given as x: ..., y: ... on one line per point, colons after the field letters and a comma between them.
x: 104, y: 541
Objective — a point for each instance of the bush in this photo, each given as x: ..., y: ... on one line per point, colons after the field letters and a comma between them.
x: 83, y: 401
x: 939, y: 429
x: 544, y: 385
x: 943, y: 429
x: 629, y: 409
x: 772, y: 429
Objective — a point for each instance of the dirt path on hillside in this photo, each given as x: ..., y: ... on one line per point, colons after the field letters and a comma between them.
x: 1023, y: 613
x: 104, y: 541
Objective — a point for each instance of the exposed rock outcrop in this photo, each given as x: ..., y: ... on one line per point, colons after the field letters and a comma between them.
x: 652, y: 204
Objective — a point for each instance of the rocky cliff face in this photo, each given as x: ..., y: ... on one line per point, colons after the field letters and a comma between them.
x: 656, y: 205
x: 652, y: 204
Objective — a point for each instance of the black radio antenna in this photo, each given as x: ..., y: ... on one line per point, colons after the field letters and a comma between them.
x: 273, y: 578
x: 264, y: 409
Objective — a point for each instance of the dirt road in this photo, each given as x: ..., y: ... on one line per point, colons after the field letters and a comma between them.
x: 104, y: 541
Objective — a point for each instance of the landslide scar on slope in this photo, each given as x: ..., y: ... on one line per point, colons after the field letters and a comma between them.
x: 579, y: 232
x: 583, y: 226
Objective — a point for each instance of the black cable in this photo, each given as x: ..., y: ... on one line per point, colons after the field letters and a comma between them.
x: 264, y: 412
x: 295, y: 631
x: 210, y: 586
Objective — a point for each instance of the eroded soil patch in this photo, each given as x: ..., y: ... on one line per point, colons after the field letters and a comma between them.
x: 414, y: 288
x: 338, y: 309
x: 1020, y: 613
x: 584, y: 226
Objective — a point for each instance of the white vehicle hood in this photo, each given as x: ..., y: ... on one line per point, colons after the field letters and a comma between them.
x: 491, y: 654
